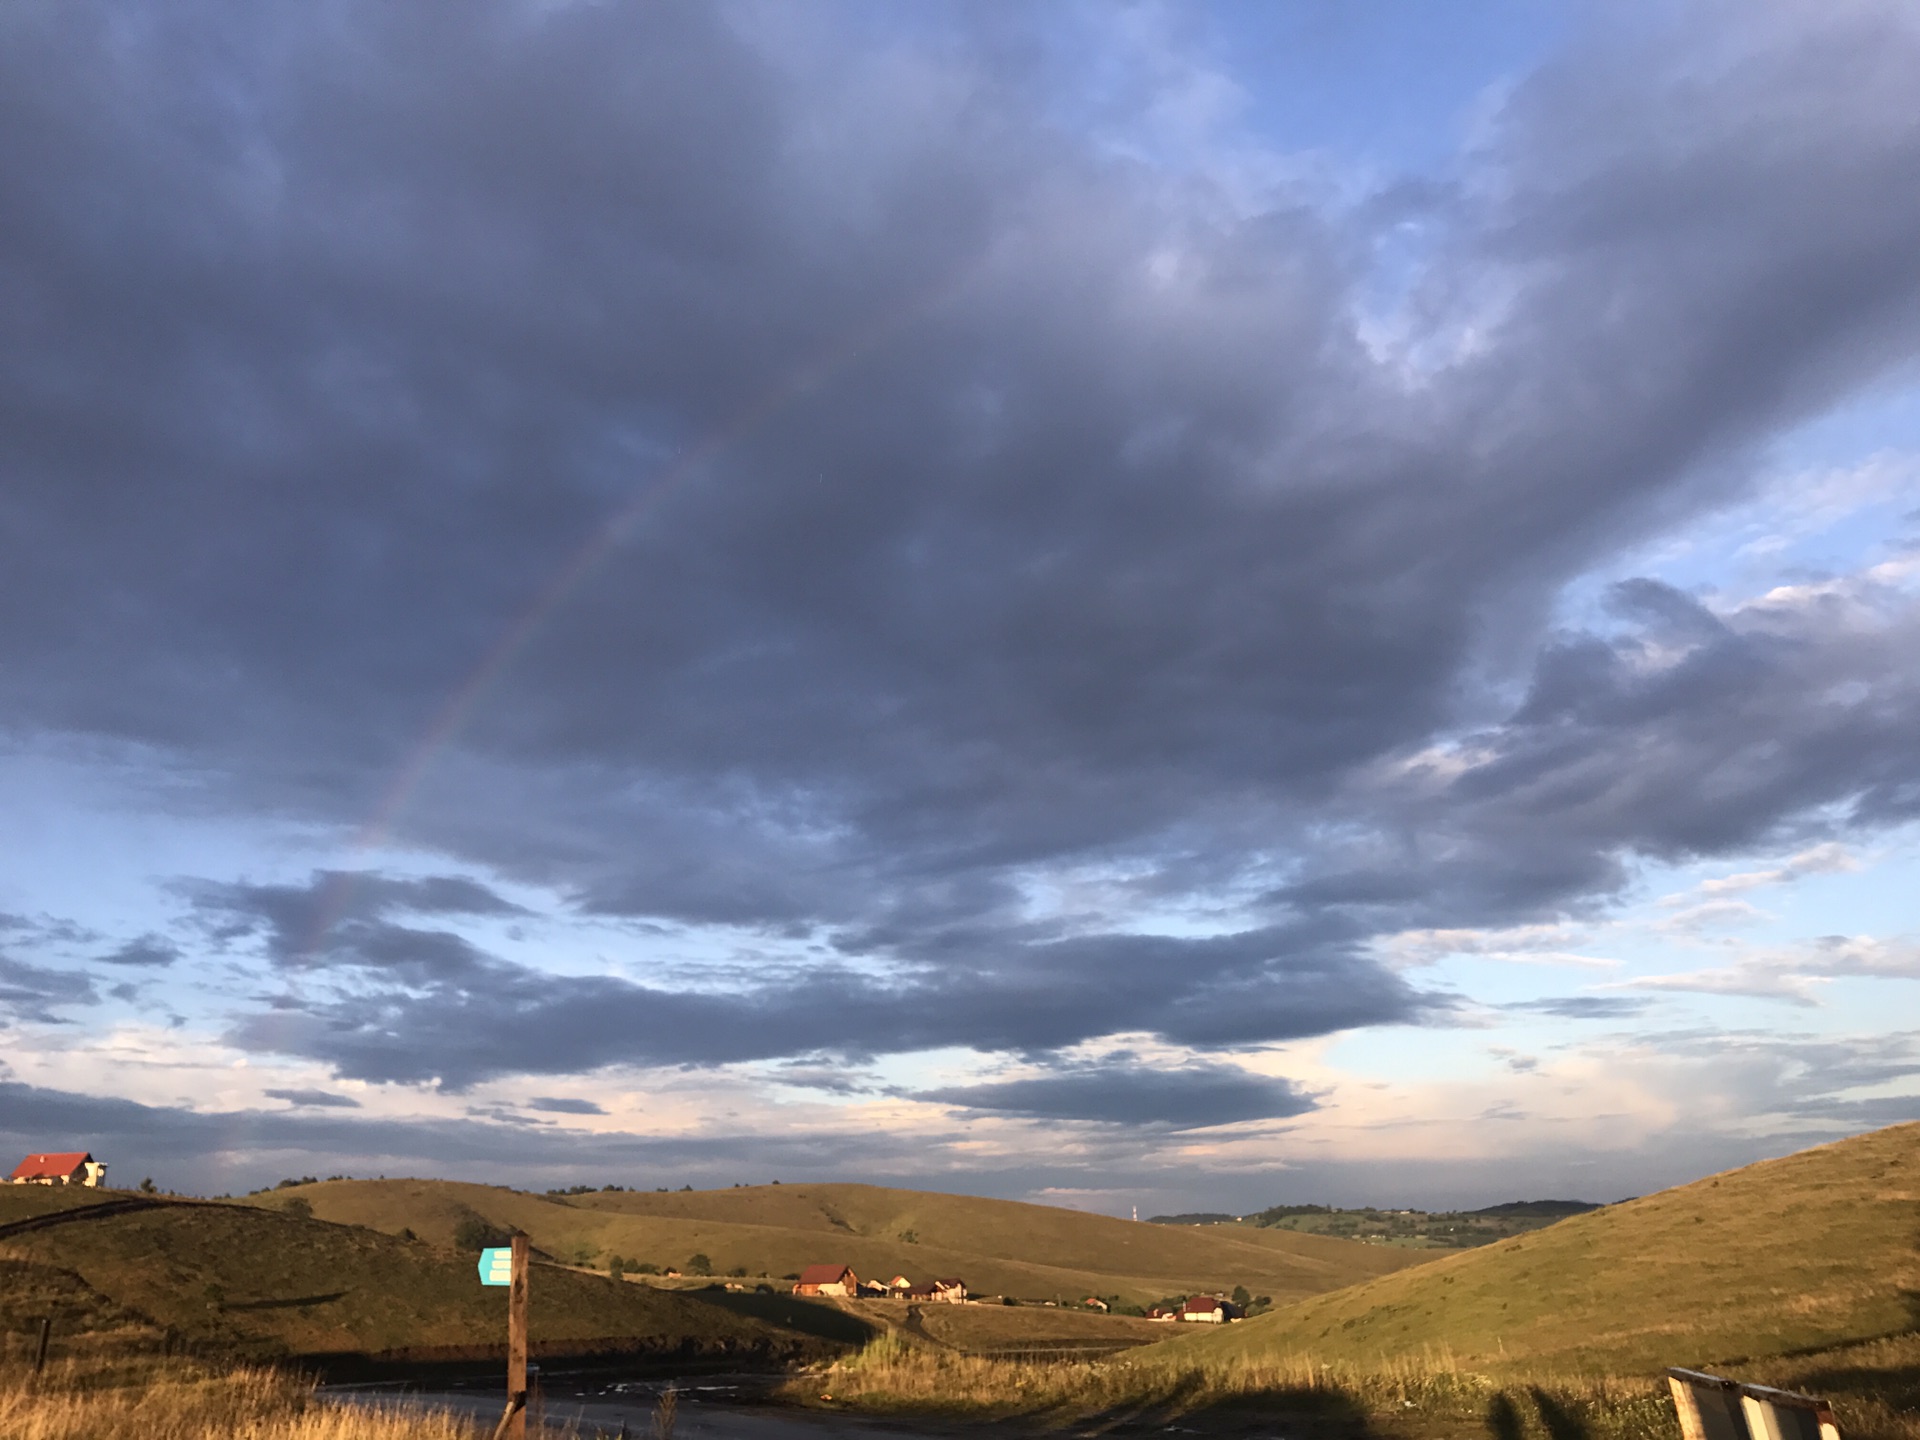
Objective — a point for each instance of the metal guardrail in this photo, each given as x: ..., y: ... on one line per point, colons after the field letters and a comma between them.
x: 1713, y: 1408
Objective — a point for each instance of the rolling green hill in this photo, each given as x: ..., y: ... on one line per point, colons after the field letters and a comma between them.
x: 266, y: 1282
x: 996, y: 1246
x: 1805, y: 1253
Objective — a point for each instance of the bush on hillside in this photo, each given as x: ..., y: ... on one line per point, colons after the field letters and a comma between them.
x: 475, y: 1233
x: 699, y: 1264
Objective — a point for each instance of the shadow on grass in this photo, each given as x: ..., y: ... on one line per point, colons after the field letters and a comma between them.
x: 790, y: 1312
x: 295, y: 1303
x: 1302, y: 1413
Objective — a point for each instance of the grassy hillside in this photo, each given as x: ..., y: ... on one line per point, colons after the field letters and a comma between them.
x: 267, y: 1282
x: 996, y: 1246
x: 1801, y: 1254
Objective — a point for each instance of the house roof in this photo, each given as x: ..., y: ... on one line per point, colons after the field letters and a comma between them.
x: 1203, y: 1305
x: 50, y: 1167
x: 949, y: 1283
x: 824, y: 1274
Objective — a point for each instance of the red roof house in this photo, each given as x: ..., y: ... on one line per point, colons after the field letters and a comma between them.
x: 67, y: 1167
x: 827, y: 1280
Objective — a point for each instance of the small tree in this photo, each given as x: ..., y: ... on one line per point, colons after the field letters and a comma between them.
x: 1241, y: 1297
x: 476, y: 1232
x: 616, y: 1266
x: 299, y: 1207
x: 699, y: 1264
x: 147, y: 1187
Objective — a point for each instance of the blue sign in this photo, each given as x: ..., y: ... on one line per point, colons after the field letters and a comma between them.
x: 496, y: 1266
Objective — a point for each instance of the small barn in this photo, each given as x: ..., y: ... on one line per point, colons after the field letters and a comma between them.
x: 65, y: 1167
x: 827, y: 1280
x: 1208, y: 1310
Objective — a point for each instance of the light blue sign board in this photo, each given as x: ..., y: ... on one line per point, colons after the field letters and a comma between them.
x: 496, y: 1266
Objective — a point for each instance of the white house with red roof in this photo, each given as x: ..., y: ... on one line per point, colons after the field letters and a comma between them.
x: 65, y: 1167
x: 1209, y: 1310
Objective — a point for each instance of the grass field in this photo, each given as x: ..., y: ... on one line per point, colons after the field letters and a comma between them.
x: 184, y: 1401
x: 1800, y: 1254
x: 248, y: 1280
x: 998, y: 1247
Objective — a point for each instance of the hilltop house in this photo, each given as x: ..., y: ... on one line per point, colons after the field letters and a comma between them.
x: 1209, y: 1310
x: 827, y: 1280
x: 75, y: 1167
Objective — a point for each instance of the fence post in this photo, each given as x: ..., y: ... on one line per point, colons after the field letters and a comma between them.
x: 40, y: 1355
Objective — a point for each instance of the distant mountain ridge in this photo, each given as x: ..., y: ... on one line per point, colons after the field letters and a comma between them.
x: 1415, y: 1229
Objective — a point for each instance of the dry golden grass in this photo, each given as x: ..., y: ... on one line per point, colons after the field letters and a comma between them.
x: 184, y: 1402
x: 1430, y: 1395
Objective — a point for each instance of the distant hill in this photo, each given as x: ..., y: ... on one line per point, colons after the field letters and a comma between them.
x: 1034, y: 1252
x: 1420, y: 1229
x: 1410, y: 1229
x: 1784, y: 1257
x: 268, y: 1282
x: 1538, y: 1209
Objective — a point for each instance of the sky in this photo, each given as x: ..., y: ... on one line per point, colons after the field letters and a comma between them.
x: 1189, y: 606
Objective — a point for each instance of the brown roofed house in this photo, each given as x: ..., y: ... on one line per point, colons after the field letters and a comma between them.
x: 952, y: 1292
x: 827, y: 1280
x: 67, y: 1167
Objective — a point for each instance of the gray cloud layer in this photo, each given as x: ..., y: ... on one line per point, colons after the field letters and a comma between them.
x: 982, y: 504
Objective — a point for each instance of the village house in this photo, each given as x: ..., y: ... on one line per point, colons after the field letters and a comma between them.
x: 75, y: 1167
x: 1209, y: 1310
x: 827, y: 1280
x: 938, y: 1292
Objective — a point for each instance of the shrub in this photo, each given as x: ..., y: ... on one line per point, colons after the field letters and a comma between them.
x: 299, y: 1207
x: 475, y: 1233
x: 699, y: 1264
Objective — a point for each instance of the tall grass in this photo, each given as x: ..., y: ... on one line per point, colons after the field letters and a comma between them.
x: 182, y: 1401
x: 1427, y: 1395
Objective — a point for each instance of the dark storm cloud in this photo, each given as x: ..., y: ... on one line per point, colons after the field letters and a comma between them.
x: 36, y: 993
x: 1065, y: 517
x: 315, y: 1099
x: 146, y: 950
x: 1123, y: 1090
x: 414, y: 1005
x: 1688, y: 733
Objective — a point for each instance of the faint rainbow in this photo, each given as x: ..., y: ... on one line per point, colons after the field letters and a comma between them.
x: 336, y: 895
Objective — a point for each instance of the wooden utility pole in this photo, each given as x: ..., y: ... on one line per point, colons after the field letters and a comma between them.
x: 513, y: 1420
x: 517, y: 1341
x: 40, y: 1354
